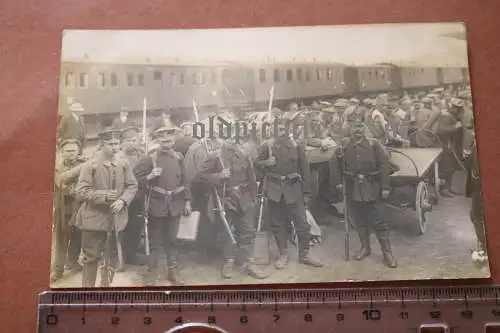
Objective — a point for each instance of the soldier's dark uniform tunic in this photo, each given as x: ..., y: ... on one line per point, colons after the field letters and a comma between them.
x: 473, y: 190
x: 98, y: 180
x: 364, y: 168
x: 286, y: 184
x: 67, y: 236
x: 168, y: 195
x: 238, y: 193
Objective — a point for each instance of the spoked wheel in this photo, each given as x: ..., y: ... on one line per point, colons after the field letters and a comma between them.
x: 422, y: 206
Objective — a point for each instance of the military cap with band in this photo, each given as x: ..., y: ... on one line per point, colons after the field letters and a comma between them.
x: 130, y: 132
x: 427, y: 100
x: 457, y: 102
x: 70, y: 141
x: 341, y: 104
x: 438, y: 90
x: 110, y: 133
x: 354, y: 100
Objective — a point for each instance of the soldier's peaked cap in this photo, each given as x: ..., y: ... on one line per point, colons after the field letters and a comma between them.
x: 427, y: 100
x: 71, y: 141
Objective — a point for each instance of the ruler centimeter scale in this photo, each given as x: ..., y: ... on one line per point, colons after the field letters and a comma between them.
x: 372, y: 310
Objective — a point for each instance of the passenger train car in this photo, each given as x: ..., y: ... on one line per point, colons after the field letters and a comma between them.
x: 111, y: 88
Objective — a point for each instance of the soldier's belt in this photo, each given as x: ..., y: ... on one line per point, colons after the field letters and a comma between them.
x: 362, y: 175
x: 165, y: 192
x: 291, y: 177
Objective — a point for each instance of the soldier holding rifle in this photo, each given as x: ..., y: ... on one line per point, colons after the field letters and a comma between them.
x: 67, y: 237
x: 287, y: 187
x: 238, y: 187
x: 364, y: 168
x: 106, y: 187
x: 163, y: 176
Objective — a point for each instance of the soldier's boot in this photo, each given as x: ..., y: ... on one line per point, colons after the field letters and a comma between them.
x: 383, y: 238
x: 56, y: 275
x: 173, y: 274
x: 89, y: 274
x: 250, y: 269
x: 365, y: 250
x: 304, y: 256
x: 282, y: 260
x: 227, y: 269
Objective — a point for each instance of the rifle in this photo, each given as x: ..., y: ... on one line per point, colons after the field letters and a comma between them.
x: 148, y: 194
x: 347, y: 238
x: 107, y: 271
x: 218, y: 201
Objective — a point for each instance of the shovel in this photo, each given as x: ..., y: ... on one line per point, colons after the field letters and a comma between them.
x: 262, y: 243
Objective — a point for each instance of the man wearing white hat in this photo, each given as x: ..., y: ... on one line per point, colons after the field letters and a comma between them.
x: 71, y: 125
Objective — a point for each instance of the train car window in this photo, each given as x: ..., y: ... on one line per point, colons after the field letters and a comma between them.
x: 69, y: 80
x: 201, y: 78
x: 276, y: 75
x: 113, y: 80
x: 289, y: 75
x: 307, y: 75
x: 329, y: 74
x: 140, y: 79
x: 300, y: 78
x: 181, y: 78
x: 194, y: 78
x: 319, y: 74
x: 157, y: 76
x: 83, y: 80
x: 262, y: 75
x: 173, y: 78
x: 376, y: 75
x: 101, y: 80
x: 130, y: 79
x: 370, y: 75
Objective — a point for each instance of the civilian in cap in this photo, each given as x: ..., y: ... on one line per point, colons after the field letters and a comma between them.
x: 354, y: 101
x: 450, y: 131
x: 122, y: 121
x: 185, y: 138
x: 164, y: 174
x: 362, y: 165
x: 106, y: 187
x: 67, y: 236
x: 131, y: 152
x: 72, y: 126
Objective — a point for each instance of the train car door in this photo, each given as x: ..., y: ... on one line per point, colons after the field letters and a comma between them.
x: 237, y: 86
x: 439, y: 76
x: 351, y: 80
x: 396, y: 80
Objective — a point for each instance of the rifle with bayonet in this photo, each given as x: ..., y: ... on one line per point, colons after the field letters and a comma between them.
x: 107, y: 270
x: 147, y: 197
x: 217, y: 198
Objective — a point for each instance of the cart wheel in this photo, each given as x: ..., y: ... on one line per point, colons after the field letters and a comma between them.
x: 422, y: 206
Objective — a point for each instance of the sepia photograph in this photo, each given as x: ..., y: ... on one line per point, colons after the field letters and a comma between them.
x: 268, y: 155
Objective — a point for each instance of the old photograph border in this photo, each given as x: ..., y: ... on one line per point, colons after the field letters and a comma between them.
x: 267, y: 155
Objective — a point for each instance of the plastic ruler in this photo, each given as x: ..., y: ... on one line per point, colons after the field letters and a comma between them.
x: 367, y: 310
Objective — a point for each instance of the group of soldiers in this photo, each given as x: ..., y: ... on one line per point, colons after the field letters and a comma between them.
x: 127, y: 181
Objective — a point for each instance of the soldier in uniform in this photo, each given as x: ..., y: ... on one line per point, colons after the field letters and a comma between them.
x: 106, y: 187
x: 364, y: 169
x: 231, y: 172
x: 131, y: 153
x: 71, y: 125
x: 287, y: 187
x: 68, y: 238
x: 473, y: 190
x: 163, y: 175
